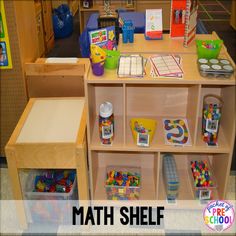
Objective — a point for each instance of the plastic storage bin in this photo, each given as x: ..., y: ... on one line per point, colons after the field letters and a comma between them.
x: 56, y: 207
x: 31, y: 195
x: 200, y: 191
x: 208, y: 48
x: 117, y: 192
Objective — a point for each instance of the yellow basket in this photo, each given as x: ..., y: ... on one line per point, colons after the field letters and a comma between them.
x: 143, y: 126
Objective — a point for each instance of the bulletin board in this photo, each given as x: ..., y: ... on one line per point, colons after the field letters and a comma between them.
x: 5, y: 51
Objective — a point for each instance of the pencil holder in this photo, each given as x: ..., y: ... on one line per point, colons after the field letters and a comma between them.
x: 112, y: 58
x: 212, y: 107
x: 98, y: 68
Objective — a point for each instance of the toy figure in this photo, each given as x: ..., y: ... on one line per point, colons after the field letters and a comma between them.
x: 128, y: 31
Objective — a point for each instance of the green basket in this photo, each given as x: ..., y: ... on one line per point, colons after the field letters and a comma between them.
x: 112, y: 58
x: 204, y: 52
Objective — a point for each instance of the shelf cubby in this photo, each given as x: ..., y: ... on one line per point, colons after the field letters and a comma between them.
x: 148, y: 163
x: 159, y: 102
x: 227, y: 123
x: 182, y: 164
x: 97, y: 94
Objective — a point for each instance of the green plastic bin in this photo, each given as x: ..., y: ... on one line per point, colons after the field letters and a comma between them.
x: 209, y: 53
x: 112, y: 58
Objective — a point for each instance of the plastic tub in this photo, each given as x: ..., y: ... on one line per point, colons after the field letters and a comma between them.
x: 112, y: 58
x: 202, y: 192
x: 55, y: 208
x: 204, y: 51
x: 31, y: 195
x: 123, y: 192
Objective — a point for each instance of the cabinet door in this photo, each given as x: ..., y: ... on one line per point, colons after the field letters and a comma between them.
x: 47, y: 19
x: 40, y: 34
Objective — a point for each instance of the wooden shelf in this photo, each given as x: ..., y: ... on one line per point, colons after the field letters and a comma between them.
x: 186, y: 191
x: 157, y: 99
x: 146, y: 161
x: 118, y: 139
x: 147, y: 187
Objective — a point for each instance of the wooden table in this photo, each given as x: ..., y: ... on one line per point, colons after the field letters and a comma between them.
x: 49, y: 135
x: 166, y: 45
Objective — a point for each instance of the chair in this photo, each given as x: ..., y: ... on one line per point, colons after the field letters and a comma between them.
x: 110, y: 20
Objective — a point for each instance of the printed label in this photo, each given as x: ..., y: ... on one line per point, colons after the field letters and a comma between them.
x: 212, y: 126
x: 107, y: 131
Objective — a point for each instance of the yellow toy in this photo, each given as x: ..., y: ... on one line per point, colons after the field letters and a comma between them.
x: 97, y: 54
x: 143, y: 127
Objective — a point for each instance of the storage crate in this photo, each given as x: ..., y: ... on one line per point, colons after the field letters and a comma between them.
x: 118, y: 191
x: 31, y: 195
x: 56, y: 207
x: 202, y: 192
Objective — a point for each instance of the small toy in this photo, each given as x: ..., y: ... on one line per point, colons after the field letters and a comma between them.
x: 123, y: 185
x: 203, y: 180
x: 106, y: 123
x: 54, y: 181
x: 128, y: 31
x: 211, y: 119
x: 176, y: 132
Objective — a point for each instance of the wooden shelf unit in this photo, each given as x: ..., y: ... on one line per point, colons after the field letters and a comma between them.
x: 158, y: 99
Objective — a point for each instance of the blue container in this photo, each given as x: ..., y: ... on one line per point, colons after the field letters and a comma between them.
x: 62, y: 21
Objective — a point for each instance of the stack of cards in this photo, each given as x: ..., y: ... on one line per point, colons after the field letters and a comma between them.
x: 131, y: 66
x: 166, y: 66
x: 170, y: 176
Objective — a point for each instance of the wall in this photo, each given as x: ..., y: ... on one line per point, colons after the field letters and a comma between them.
x: 23, y: 43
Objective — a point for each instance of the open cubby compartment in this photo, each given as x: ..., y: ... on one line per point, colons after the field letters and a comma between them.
x: 147, y: 162
x: 220, y: 166
x: 161, y: 101
x: 227, y: 123
x: 97, y: 94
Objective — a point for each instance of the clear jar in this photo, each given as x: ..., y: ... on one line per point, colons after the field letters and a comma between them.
x: 106, y: 123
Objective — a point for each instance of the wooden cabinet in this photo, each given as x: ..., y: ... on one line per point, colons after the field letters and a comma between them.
x: 61, y: 146
x: 158, y: 99
x: 47, y: 23
x: 40, y: 29
x: 137, y: 5
x: 98, y: 6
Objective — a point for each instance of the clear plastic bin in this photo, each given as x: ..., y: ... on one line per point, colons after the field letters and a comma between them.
x: 202, y: 192
x: 30, y: 195
x: 123, y: 192
x: 55, y: 208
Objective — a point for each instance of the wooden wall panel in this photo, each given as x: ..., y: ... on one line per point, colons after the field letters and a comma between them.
x: 20, y: 18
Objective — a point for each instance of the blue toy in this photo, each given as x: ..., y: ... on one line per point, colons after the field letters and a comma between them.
x: 128, y: 31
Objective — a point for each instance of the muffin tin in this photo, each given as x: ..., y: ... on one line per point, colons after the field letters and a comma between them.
x: 215, y: 67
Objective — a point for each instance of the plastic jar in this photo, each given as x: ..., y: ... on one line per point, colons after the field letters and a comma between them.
x: 106, y: 123
x: 212, y: 107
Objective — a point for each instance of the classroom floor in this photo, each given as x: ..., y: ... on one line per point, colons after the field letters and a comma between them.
x: 169, y: 227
